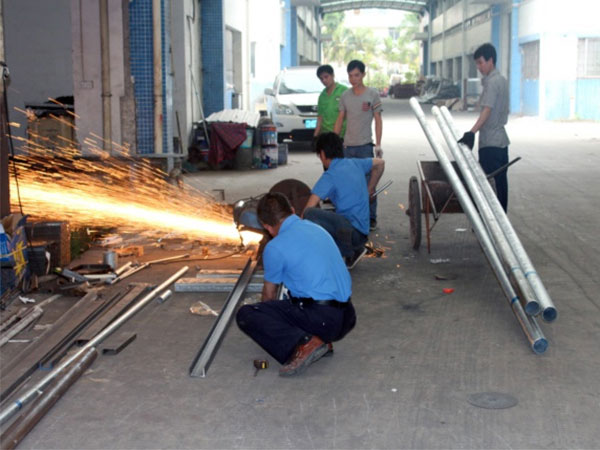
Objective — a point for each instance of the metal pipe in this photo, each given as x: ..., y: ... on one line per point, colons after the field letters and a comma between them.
x: 14, y: 434
x: 528, y: 298
x: 549, y: 311
x: 105, y: 61
x: 123, y: 268
x: 128, y: 273
x: 528, y: 324
x: 33, y: 314
x: 10, y: 410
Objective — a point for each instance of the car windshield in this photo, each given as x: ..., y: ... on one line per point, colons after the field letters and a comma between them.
x: 300, y: 82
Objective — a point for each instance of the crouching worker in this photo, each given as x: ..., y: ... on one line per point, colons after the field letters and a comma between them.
x: 344, y: 183
x: 298, y: 331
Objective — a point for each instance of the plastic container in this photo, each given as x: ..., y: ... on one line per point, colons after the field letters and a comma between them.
x: 271, y: 156
x: 249, y: 138
x: 282, y: 154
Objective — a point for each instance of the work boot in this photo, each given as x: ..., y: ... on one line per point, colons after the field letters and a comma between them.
x: 304, y: 355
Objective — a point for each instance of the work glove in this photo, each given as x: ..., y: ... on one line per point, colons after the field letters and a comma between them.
x: 468, y: 139
x: 378, y: 152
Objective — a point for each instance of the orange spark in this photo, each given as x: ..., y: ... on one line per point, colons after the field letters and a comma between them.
x: 117, y: 191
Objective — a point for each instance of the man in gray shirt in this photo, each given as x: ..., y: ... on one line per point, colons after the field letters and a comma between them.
x: 359, y: 106
x: 493, y: 140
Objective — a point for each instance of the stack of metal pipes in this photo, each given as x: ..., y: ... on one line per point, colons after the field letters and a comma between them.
x: 515, y: 272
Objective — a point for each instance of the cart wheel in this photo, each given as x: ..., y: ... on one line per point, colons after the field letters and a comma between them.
x: 414, y: 210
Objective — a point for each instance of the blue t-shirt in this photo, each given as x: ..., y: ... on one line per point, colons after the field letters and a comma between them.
x: 344, y: 183
x: 305, y: 258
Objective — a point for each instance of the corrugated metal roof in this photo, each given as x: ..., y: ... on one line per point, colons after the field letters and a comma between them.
x: 250, y: 118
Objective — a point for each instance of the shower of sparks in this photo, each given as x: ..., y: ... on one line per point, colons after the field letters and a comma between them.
x: 56, y: 183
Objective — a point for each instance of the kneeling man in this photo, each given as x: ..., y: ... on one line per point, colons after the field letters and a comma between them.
x: 344, y: 183
x: 298, y: 331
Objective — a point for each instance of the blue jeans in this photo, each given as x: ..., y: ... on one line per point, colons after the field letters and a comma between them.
x: 348, y: 239
x: 363, y: 151
x: 491, y: 159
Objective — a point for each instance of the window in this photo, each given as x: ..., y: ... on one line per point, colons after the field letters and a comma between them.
x: 588, y: 58
x: 531, y: 60
x: 253, y: 59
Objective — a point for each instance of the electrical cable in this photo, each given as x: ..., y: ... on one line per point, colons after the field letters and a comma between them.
x: 228, y: 255
x: 9, y: 135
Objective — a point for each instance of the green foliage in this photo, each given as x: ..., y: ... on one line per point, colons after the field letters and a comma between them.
x: 347, y: 44
x: 378, y: 81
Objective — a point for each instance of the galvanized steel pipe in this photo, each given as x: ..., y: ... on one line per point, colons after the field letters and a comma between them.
x: 34, y: 391
x: 549, y: 311
x: 528, y: 298
x: 528, y: 324
x: 17, y: 431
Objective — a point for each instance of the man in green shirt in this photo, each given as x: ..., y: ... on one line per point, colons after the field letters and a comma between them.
x: 329, y: 99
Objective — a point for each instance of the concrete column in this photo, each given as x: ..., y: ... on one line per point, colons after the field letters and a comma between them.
x: 514, y: 78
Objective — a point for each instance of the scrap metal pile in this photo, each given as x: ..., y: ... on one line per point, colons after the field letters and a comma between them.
x: 515, y: 272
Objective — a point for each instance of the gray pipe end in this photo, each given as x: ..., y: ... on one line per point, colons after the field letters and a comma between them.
x: 540, y: 346
x: 550, y: 314
x: 532, y: 308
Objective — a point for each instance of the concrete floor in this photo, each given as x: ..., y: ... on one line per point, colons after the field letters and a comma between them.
x: 401, y: 378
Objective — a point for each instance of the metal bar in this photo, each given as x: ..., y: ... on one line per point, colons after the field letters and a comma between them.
x: 128, y: 273
x: 28, y: 360
x: 206, y: 354
x: 112, y: 313
x: 118, y: 342
x: 10, y: 410
x: 549, y: 311
x: 29, y: 318
x: 14, y: 434
x: 382, y: 188
x: 498, y: 170
x: 528, y: 324
x: 123, y: 268
x: 528, y: 298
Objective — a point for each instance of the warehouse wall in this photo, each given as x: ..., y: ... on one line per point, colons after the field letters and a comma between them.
x: 563, y: 92
x: 37, y: 39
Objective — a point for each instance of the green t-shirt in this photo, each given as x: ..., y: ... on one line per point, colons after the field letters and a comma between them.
x: 328, y: 108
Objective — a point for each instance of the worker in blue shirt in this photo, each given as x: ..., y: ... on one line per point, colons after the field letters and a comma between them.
x: 344, y: 183
x: 299, y: 330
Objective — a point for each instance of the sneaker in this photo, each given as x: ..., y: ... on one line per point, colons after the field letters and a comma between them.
x: 329, y: 351
x: 372, y: 225
x: 351, y: 261
x: 304, y: 356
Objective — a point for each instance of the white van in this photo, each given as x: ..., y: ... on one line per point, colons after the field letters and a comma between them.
x: 292, y: 103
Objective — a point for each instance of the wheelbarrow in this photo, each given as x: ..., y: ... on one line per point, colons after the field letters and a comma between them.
x: 437, y: 197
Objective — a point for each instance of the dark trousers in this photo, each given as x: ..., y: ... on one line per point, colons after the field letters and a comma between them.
x: 278, y: 326
x: 348, y: 239
x: 491, y: 159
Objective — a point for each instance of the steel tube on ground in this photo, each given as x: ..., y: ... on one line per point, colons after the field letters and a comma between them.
x: 34, y: 314
x: 549, y: 311
x: 532, y: 331
x: 528, y: 298
x: 10, y: 410
x: 14, y: 434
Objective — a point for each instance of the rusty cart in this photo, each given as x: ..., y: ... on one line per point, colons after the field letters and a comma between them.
x: 434, y: 197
